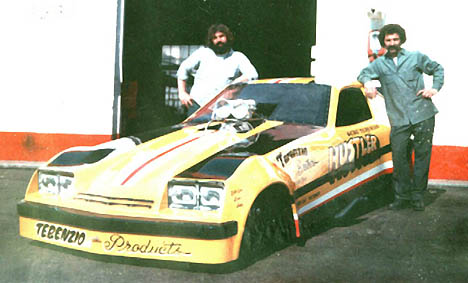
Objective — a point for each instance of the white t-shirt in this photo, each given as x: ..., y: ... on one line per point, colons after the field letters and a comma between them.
x: 212, y: 72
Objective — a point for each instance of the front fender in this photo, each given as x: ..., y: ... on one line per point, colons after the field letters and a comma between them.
x: 255, y: 175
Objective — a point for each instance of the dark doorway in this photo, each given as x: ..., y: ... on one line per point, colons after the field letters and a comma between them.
x: 275, y: 35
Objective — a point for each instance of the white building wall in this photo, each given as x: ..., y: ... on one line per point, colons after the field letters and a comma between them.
x: 436, y: 28
x: 57, y: 66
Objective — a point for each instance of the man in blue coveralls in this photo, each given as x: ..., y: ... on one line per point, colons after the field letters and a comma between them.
x: 409, y: 109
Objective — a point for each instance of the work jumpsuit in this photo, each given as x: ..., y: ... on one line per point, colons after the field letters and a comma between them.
x: 410, y: 115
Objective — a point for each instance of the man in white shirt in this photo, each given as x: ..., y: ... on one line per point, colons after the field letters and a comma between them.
x: 213, y: 67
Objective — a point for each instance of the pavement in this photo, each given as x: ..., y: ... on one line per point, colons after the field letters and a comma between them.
x: 20, y: 164
x: 376, y: 245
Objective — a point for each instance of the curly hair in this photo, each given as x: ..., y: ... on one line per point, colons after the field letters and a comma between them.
x: 391, y: 29
x: 221, y: 28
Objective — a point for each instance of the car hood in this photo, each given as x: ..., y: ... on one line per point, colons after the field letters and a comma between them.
x: 139, y: 176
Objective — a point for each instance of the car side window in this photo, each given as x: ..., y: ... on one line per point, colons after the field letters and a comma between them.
x: 352, y: 108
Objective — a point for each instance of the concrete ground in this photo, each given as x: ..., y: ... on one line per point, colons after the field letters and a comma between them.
x: 378, y: 246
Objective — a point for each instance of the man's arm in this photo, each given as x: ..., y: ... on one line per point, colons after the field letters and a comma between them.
x: 365, y: 77
x: 243, y: 79
x: 184, y: 96
x: 247, y: 70
x: 434, y: 69
x: 188, y: 67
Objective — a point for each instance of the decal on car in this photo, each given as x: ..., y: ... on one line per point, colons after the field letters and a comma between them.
x: 293, y: 153
x: 74, y: 158
x: 141, y: 166
x: 60, y: 233
x: 368, y: 175
x: 341, y: 155
x: 119, y: 243
x: 354, y: 149
x: 362, y: 130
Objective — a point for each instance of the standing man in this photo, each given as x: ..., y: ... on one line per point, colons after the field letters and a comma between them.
x: 409, y: 109
x: 213, y: 67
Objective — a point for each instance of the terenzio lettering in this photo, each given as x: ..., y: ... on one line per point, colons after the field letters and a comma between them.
x: 58, y: 233
x: 118, y: 243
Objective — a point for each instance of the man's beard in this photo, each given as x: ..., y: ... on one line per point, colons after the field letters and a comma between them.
x: 394, y: 48
x: 220, y: 48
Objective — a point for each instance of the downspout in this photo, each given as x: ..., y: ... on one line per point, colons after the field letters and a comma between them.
x: 118, y: 74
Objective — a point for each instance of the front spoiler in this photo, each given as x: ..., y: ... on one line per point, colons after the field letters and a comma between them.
x: 203, y: 243
x: 206, y: 231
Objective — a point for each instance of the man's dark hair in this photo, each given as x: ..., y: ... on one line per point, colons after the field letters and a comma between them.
x: 391, y: 29
x: 221, y: 28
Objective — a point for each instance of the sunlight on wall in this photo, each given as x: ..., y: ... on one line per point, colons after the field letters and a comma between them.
x: 432, y: 27
x: 59, y: 74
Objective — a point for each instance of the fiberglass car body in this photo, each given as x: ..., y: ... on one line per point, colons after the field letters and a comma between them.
x: 242, y: 174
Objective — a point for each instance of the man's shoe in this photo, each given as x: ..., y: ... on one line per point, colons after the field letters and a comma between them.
x: 418, y: 205
x: 398, y: 204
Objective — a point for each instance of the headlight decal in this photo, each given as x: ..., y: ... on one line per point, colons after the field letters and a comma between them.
x: 56, y: 183
x: 181, y: 195
x: 211, y: 197
x: 196, y: 195
x: 48, y: 183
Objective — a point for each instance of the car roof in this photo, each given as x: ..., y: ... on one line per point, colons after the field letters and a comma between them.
x: 302, y: 80
x: 297, y: 80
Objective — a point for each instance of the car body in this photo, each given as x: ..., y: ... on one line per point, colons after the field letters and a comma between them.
x: 245, y: 172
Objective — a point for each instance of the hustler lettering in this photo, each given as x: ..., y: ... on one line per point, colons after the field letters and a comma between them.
x: 118, y: 243
x: 351, y: 155
x: 58, y: 233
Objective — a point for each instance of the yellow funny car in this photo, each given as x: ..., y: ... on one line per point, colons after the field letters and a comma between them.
x: 244, y: 174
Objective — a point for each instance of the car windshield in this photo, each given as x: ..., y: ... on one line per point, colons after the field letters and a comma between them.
x: 294, y: 103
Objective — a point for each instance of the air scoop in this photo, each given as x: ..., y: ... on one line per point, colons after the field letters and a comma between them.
x: 238, y: 109
x: 233, y: 115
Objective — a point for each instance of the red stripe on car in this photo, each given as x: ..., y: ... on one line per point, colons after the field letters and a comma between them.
x: 154, y: 158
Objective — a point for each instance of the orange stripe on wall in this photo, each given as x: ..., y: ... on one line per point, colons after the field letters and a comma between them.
x: 21, y: 146
x: 449, y: 163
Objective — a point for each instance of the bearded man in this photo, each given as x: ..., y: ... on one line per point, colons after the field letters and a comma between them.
x: 409, y: 109
x: 213, y: 67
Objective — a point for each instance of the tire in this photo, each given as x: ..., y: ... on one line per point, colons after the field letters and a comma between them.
x: 269, y: 227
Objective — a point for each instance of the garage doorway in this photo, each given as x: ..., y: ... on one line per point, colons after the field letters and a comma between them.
x: 158, y: 34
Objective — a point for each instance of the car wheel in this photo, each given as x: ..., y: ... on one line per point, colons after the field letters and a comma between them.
x: 269, y: 227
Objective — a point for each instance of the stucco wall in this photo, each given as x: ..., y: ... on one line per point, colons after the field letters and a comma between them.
x: 57, y: 75
x: 435, y: 28
x: 57, y: 70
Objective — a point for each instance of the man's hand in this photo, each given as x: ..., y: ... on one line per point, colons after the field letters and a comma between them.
x: 241, y: 79
x: 427, y: 93
x: 185, y: 98
x: 370, y: 90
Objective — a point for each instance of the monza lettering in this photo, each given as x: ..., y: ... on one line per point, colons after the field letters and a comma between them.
x: 351, y: 155
x: 58, y: 233
x: 118, y: 243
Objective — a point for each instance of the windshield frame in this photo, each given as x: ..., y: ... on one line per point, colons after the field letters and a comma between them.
x: 293, y: 99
